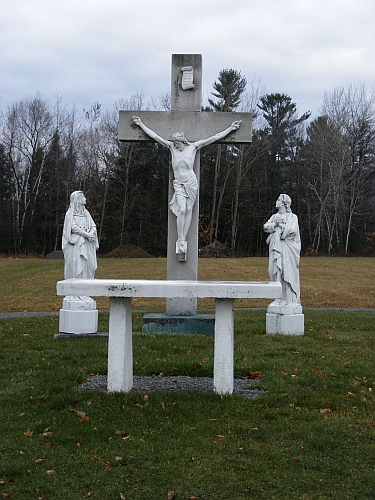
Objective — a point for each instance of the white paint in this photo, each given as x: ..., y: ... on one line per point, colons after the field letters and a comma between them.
x: 79, y: 243
x: 285, y: 324
x: 120, y: 348
x: 284, y: 316
x: 78, y: 322
x: 120, y: 353
x: 168, y: 289
x: 224, y: 346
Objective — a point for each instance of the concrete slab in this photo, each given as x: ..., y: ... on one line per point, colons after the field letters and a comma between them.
x: 163, y: 323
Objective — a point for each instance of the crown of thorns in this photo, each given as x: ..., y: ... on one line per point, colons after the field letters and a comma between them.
x: 179, y: 136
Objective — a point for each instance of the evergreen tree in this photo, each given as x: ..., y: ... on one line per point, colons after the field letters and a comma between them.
x: 282, y: 136
x: 229, y: 87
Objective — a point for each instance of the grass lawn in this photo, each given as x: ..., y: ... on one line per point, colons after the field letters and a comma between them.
x: 30, y: 284
x: 310, y: 436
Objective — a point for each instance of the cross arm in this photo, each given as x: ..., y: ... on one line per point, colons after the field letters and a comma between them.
x: 150, y: 133
x: 195, y: 125
x: 219, y: 136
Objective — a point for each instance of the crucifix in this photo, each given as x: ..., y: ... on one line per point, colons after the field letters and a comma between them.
x: 184, y: 130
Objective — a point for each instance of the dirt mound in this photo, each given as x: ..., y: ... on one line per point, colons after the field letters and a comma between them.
x: 127, y: 251
x: 216, y: 250
x: 57, y: 254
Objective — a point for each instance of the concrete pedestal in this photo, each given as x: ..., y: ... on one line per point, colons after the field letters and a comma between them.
x: 78, y: 315
x: 285, y: 319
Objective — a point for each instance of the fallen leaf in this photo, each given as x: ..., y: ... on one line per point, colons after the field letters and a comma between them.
x: 50, y: 472
x: 163, y: 406
x: 79, y: 414
x: 47, y: 434
x: 170, y: 495
x: 39, y: 460
x: 324, y: 411
x: 255, y: 374
x: 85, y: 420
x: 255, y: 429
x: 28, y: 433
x: 120, y: 433
x: 118, y: 459
x: 122, y: 496
x: 296, y: 459
x: 220, y: 436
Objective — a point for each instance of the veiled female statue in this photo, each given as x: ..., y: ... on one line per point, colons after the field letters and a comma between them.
x: 79, y: 240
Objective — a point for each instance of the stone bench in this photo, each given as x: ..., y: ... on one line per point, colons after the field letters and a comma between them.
x: 121, y: 292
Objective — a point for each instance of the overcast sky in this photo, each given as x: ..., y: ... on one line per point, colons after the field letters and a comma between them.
x: 105, y: 50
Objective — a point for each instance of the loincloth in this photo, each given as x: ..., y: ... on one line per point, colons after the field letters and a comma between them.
x: 187, y: 189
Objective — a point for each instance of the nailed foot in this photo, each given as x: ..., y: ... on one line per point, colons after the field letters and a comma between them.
x: 181, y: 250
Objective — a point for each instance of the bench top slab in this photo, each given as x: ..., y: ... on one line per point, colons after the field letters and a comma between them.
x: 170, y: 288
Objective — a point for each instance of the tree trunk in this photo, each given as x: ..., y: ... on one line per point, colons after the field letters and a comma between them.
x: 216, y: 177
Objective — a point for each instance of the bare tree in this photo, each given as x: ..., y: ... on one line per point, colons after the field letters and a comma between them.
x: 27, y: 132
x: 340, y: 165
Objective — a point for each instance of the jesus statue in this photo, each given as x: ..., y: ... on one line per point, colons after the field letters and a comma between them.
x: 185, y: 183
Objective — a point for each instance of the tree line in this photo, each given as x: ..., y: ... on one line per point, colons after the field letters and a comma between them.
x: 326, y: 165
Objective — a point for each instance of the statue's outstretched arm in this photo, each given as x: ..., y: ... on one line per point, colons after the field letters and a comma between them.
x: 205, y: 142
x: 149, y: 132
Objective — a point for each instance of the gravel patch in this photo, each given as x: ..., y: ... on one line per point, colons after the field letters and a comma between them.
x: 243, y: 387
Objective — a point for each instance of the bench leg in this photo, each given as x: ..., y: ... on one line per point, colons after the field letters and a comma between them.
x: 224, y: 346
x: 120, y: 347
